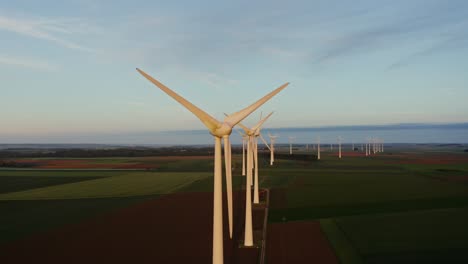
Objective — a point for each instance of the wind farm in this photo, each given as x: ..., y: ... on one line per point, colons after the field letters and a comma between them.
x: 130, y: 132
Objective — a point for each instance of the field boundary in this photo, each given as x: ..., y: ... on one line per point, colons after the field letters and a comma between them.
x: 344, y: 250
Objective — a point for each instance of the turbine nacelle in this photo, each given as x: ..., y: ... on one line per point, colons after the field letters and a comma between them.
x: 224, y: 129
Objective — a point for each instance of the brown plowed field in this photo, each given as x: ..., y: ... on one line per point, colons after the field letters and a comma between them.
x: 175, y: 228
x: 298, y: 242
x: 278, y: 198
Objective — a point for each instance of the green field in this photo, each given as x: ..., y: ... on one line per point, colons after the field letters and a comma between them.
x: 35, y: 201
x: 390, y: 208
x: 375, y: 210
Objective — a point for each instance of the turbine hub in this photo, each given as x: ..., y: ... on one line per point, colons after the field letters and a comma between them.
x: 225, y: 129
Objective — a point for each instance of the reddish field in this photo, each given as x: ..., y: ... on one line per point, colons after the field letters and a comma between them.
x: 136, y: 163
x: 298, y: 242
x: 349, y: 154
x: 82, y: 164
x: 175, y: 228
x: 165, y: 158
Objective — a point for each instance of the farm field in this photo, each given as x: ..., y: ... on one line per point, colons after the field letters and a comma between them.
x: 406, y: 205
x: 402, y: 206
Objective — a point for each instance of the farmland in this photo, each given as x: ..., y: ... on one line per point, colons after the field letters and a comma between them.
x: 406, y: 205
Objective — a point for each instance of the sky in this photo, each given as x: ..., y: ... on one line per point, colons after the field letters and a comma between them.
x: 67, y: 68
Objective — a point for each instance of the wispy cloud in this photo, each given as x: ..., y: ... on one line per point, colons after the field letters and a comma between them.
x: 413, y: 22
x: 27, y: 63
x: 45, y: 29
x: 450, y: 44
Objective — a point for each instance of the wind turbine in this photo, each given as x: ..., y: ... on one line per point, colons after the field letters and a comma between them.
x: 253, y: 133
x: 339, y: 147
x: 290, y: 144
x: 367, y: 148
x: 272, y: 148
x: 318, y: 147
x: 374, y: 149
x: 219, y: 130
x: 252, y: 161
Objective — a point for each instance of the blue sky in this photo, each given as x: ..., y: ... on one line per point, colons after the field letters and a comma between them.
x: 68, y: 67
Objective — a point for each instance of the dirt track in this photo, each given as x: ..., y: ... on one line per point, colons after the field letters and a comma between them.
x: 176, y: 228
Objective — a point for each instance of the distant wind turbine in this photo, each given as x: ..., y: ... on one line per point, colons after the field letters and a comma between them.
x: 367, y: 148
x: 253, y: 133
x: 290, y: 144
x: 252, y: 162
x: 272, y: 148
x: 339, y: 147
x: 318, y: 147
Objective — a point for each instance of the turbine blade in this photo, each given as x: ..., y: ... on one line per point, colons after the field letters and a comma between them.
x: 240, y: 133
x: 246, y: 129
x: 240, y: 115
x: 264, y: 141
x: 210, y: 122
x: 260, y: 124
x: 227, y: 165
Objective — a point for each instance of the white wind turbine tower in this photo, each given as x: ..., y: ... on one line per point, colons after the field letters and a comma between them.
x: 339, y: 147
x: 219, y: 130
x: 272, y: 148
x: 290, y: 144
x: 244, y: 143
x: 367, y: 148
x: 252, y: 157
x: 253, y: 134
x: 374, y: 148
x: 318, y: 147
